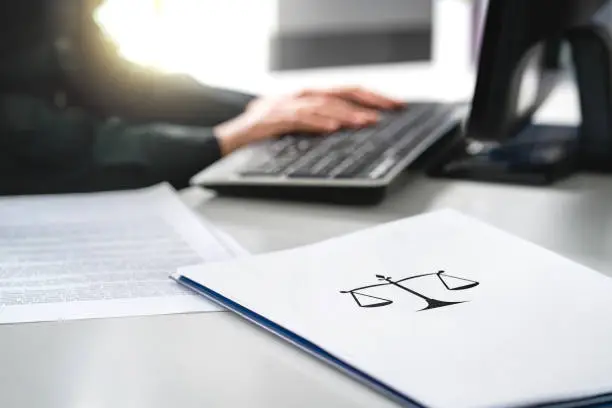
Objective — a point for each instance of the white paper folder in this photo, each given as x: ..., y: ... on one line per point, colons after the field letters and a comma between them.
x: 438, y: 310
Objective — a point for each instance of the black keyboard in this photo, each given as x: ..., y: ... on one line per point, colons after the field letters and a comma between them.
x: 369, y: 153
x: 349, y: 166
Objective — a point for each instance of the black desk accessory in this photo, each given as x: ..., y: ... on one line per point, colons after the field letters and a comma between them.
x: 522, y: 43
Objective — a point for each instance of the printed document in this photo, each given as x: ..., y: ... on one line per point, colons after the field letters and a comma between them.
x: 101, y: 255
x: 439, y: 309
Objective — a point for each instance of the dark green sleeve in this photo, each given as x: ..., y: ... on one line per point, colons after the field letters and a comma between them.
x: 48, y: 150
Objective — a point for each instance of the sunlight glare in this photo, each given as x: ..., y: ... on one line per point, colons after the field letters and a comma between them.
x: 210, y: 39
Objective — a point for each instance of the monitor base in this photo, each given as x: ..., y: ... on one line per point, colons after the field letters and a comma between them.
x: 539, y: 155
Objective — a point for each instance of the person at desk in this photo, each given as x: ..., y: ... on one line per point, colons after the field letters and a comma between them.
x: 76, y: 117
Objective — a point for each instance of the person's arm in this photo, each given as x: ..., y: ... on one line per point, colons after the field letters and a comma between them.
x: 45, y: 150
x: 120, y: 89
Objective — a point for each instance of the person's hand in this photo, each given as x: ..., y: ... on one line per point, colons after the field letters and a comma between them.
x: 310, y: 111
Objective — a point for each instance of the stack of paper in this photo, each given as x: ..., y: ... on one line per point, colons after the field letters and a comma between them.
x: 438, y: 310
x: 101, y: 255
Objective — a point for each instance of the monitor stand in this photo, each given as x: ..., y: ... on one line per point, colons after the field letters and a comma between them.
x: 543, y: 154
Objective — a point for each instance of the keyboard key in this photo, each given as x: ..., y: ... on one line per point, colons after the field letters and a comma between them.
x: 319, y: 169
x: 351, y: 170
x: 397, y: 129
x: 277, y: 146
x: 305, y: 145
x: 362, y: 136
x: 407, y: 144
x: 382, y: 166
x: 360, y: 159
x: 267, y: 169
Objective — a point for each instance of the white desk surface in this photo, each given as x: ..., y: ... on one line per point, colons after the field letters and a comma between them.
x: 217, y: 360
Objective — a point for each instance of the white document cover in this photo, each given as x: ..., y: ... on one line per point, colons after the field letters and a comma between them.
x: 438, y: 310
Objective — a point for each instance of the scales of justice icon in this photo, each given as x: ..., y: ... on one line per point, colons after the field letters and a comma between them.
x: 451, y: 283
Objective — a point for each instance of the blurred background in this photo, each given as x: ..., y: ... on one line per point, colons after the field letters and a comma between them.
x: 268, y: 34
x: 241, y: 37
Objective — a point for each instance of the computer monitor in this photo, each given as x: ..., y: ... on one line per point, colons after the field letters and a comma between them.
x: 515, y: 74
x: 512, y: 78
x: 519, y: 66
